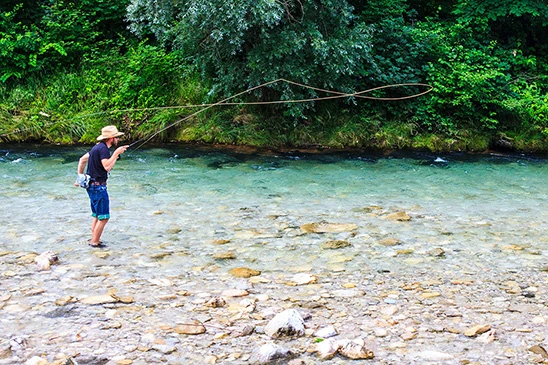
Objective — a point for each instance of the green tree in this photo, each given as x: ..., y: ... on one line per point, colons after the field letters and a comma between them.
x: 244, y: 43
x: 41, y: 36
x: 519, y: 24
x: 21, y: 46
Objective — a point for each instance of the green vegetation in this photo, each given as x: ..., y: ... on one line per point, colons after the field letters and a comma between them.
x: 70, y: 67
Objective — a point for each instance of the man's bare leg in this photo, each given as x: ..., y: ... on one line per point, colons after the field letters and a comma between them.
x: 94, y: 221
x: 97, y: 227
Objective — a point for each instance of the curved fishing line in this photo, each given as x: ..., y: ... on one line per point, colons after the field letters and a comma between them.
x: 337, y: 96
x: 225, y: 102
x: 196, y: 113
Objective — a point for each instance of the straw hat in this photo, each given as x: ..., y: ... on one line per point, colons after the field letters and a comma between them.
x: 109, y: 131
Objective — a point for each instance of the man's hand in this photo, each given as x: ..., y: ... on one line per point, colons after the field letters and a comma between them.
x: 108, y: 164
x: 121, y: 150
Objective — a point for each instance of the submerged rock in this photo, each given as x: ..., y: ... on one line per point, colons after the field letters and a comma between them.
x: 244, y: 272
x: 229, y: 255
x: 334, y: 244
x: 398, y: 216
x: 389, y: 241
x: 46, y: 259
x: 326, y: 227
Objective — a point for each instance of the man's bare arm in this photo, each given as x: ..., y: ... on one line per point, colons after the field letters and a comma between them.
x: 108, y: 163
x: 82, y: 163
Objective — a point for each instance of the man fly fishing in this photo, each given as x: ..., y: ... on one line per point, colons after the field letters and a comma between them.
x: 99, y: 164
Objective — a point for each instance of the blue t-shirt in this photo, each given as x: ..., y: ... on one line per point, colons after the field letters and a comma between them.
x: 95, y: 169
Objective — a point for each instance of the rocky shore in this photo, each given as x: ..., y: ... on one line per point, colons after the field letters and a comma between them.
x: 81, y: 305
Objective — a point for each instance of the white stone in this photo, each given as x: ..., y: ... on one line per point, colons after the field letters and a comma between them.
x: 234, y: 293
x: 381, y: 332
x: 46, y: 259
x: 270, y: 352
x: 355, y: 349
x: 326, y: 332
x: 36, y: 361
x: 288, y: 322
x: 390, y: 310
x: 327, y: 349
x: 304, y: 279
x: 431, y: 355
x: 348, y: 293
x: 262, y: 297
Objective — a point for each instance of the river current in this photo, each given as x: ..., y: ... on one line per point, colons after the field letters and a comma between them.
x: 491, y: 207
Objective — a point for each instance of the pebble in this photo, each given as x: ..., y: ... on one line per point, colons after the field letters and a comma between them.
x: 381, y: 332
x: 432, y: 355
x: 326, y: 332
x: 477, y: 330
x: 191, y: 327
x: 304, y: 279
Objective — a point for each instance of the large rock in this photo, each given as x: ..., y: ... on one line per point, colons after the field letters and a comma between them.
x: 286, y: 323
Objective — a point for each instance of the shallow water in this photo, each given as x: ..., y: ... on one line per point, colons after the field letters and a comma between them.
x: 478, y: 226
x: 483, y: 211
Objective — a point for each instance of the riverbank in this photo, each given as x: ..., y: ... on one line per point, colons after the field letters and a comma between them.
x: 131, y: 307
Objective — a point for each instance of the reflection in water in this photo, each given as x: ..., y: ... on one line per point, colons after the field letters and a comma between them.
x: 481, y: 210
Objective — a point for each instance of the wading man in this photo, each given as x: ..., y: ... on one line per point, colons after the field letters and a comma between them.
x: 99, y: 163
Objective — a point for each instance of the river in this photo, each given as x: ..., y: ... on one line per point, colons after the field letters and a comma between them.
x: 477, y: 218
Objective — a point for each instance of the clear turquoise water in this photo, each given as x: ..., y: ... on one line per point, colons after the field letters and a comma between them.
x: 483, y: 211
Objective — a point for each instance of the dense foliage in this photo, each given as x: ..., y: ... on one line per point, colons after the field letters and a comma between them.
x: 68, y: 67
